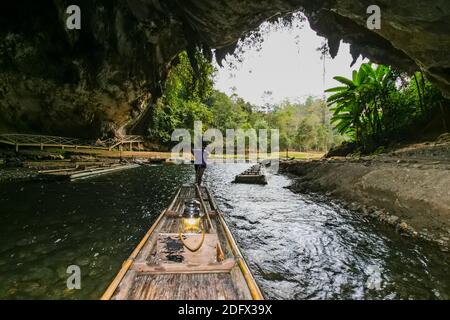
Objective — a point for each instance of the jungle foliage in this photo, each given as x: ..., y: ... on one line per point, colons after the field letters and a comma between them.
x: 184, y: 99
x: 189, y: 96
x: 379, y: 104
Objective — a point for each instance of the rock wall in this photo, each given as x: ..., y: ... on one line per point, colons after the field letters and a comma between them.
x: 101, y: 79
x: 88, y: 82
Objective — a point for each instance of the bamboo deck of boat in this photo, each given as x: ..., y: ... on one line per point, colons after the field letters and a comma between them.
x: 161, y: 268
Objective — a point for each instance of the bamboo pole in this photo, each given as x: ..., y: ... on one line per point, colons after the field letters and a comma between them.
x: 199, y: 194
x: 254, y: 290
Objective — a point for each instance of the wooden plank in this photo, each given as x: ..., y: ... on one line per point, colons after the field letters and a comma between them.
x: 170, y: 250
x: 95, y: 172
x: 125, y: 286
x: 224, y: 266
x: 242, y: 289
x: 199, y: 286
x: 172, y: 213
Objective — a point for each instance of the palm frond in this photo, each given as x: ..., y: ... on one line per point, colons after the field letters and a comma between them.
x: 344, y: 80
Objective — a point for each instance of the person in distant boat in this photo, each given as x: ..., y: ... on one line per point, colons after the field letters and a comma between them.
x: 200, y: 162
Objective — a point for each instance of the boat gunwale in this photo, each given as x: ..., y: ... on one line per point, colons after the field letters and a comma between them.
x: 127, y: 263
x: 250, y: 280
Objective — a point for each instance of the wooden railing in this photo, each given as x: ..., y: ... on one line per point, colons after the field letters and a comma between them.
x: 42, y: 141
x: 114, y: 142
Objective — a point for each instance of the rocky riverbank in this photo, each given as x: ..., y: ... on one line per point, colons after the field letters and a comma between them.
x: 408, y: 189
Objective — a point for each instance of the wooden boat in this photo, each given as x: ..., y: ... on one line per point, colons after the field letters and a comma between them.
x: 162, y: 268
x: 253, y: 175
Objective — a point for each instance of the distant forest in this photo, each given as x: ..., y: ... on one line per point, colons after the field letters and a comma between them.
x: 190, y: 96
x: 374, y: 108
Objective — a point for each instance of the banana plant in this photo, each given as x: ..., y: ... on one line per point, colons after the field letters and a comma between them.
x: 358, y: 104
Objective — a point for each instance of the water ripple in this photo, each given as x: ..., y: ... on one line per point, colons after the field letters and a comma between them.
x: 298, y: 247
x: 311, y: 248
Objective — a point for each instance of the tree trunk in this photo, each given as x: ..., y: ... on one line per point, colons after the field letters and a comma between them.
x: 419, y: 93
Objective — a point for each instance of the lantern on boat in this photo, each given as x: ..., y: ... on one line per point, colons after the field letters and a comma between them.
x: 191, y: 217
x: 191, y: 223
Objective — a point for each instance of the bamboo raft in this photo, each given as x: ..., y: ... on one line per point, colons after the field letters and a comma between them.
x: 85, y: 171
x: 161, y: 268
x: 253, y: 175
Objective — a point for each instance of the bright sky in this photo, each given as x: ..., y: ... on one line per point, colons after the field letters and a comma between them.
x: 287, y: 64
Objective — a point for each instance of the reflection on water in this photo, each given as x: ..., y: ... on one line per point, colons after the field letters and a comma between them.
x: 92, y: 223
x: 297, y: 247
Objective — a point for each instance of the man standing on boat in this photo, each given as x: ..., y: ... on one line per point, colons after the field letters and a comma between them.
x: 200, y: 162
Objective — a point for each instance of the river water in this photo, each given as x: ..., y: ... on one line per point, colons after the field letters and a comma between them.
x: 298, y: 247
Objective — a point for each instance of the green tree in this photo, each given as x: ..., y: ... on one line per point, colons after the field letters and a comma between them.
x: 185, y: 97
x: 378, y: 104
x: 358, y: 105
